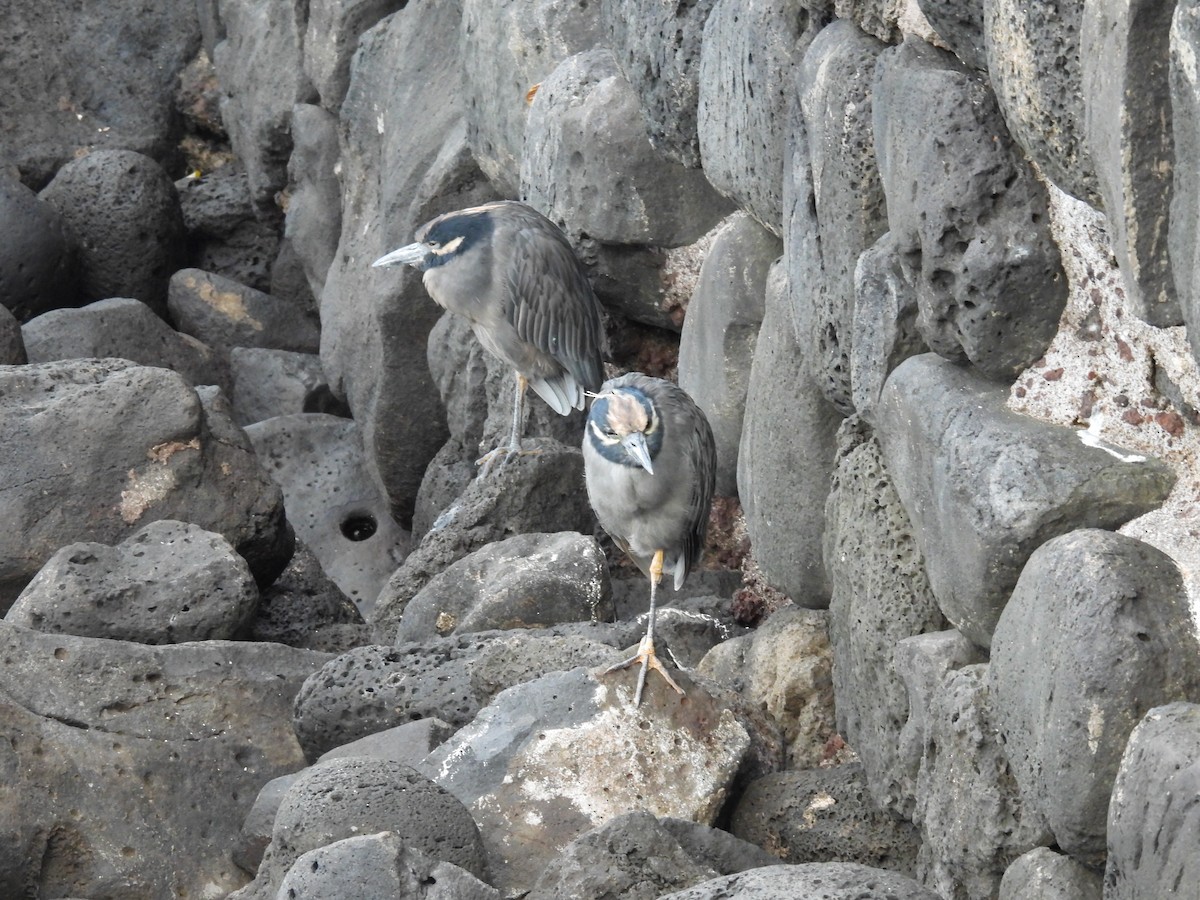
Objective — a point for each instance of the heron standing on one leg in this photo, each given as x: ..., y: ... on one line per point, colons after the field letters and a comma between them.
x: 512, y: 274
x: 650, y: 463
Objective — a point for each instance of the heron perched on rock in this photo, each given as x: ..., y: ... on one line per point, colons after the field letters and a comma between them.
x: 650, y: 463
x: 512, y: 274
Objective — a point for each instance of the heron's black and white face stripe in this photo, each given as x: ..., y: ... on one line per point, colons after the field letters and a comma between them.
x: 455, y: 234
x: 622, y: 420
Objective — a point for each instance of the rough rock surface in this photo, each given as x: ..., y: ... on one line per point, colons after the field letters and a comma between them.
x: 270, y: 383
x: 1184, y: 80
x: 814, y: 881
x: 39, y: 269
x: 1042, y: 874
x: 313, y: 221
x: 303, y: 608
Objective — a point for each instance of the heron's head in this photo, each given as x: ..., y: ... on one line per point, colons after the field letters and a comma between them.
x: 452, y: 236
x: 624, y: 427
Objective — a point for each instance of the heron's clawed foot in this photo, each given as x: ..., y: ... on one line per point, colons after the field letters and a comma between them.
x: 499, y: 457
x: 649, y: 660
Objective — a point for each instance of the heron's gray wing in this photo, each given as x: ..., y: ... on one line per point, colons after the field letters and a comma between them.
x: 701, y: 448
x: 551, y: 304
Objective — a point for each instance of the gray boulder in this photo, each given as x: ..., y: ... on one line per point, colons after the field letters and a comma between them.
x: 39, y: 266
x: 269, y: 383
x: 960, y: 26
x: 354, y: 796
x: 833, y: 202
x: 551, y: 759
x: 168, y: 583
x: 813, y: 881
x: 526, y: 581
x: 55, y: 103
x: 1034, y: 64
x: 1124, y: 55
x: 1042, y: 874
x: 261, y: 73
x: 985, y: 486
x: 880, y: 596
x: 313, y: 221
x: 967, y: 212
x: 125, y: 328
x: 716, y: 346
x: 1099, y: 630
x: 1152, y: 828
x: 335, y: 507
x: 747, y: 58
x: 508, y: 49
x: 12, y: 348
x: 589, y: 163
x: 304, y: 608
x: 108, y: 446
x: 375, y: 322
x: 330, y: 38
x: 124, y: 212
x: 824, y: 815
x: 127, y: 753
x: 972, y: 819
x: 370, y: 866
x: 1185, y: 181
x: 786, y: 457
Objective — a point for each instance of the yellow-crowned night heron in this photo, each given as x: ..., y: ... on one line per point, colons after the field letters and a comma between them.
x: 650, y: 463
x: 512, y: 274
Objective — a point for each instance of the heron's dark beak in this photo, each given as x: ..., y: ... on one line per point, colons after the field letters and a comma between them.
x: 411, y: 255
x: 635, y: 446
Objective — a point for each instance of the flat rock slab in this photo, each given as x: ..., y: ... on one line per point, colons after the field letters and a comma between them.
x: 169, y: 583
x: 985, y: 487
x: 556, y: 757
x: 812, y: 881
x: 110, y: 746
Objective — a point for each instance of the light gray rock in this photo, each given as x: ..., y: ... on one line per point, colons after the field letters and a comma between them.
x: 375, y: 323
x: 551, y: 759
x: 786, y: 457
x: 1098, y: 631
x: 973, y: 823
x: 1152, y: 828
x: 813, y: 881
x: 1124, y: 54
x: 260, y: 66
x: 313, y: 221
x: 750, y: 50
x: 1042, y: 874
x: 354, y: 796
x: 123, y: 212
x: 118, y: 754
x: 526, y: 581
x: 658, y: 47
x: 518, y: 656
x: 168, y: 583
x: 879, y: 18
x: 99, y: 448
x: 967, y: 212
x: 880, y: 596
x: 589, y: 164
x: 960, y: 25
x: 1184, y: 238
x: 125, y: 328
x: 370, y: 866
x: 335, y: 507
x: 716, y: 346
x: 509, y: 48
x: 833, y: 202
x: 1034, y: 65
x: 39, y: 266
x: 270, y: 383
x: 331, y: 35
x: 985, y: 486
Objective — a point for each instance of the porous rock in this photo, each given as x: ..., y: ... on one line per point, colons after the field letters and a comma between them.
x: 536, y: 767
x: 168, y: 583
x: 125, y: 328
x: 39, y: 267
x: 716, y: 345
x: 1184, y: 80
x: 749, y: 52
x: 303, y: 608
x: 968, y: 214
x: 331, y: 35
x: 370, y: 866
x: 785, y: 457
x: 12, y: 349
x: 813, y: 881
x: 1042, y: 874
x: 123, y: 210
x: 106, y: 446
x: 342, y: 798
x: 1098, y: 631
x: 960, y: 27
x: 588, y: 162
x: 313, y: 221
x: 118, y: 743
x: 526, y: 581
x: 833, y: 203
x: 1152, y: 827
x: 824, y: 815
x: 880, y: 596
x: 985, y: 487
x: 270, y: 383
x: 336, y: 508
